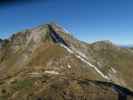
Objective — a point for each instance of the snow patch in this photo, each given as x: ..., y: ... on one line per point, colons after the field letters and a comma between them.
x: 52, y: 72
x: 79, y: 53
x: 69, y: 66
x: 35, y: 74
x: 93, y: 66
x: 104, y: 76
x: 82, y: 57
x: 85, y: 61
x: 68, y: 49
x: 113, y: 70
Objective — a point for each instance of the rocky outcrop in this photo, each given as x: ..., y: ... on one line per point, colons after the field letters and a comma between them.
x: 47, y: 63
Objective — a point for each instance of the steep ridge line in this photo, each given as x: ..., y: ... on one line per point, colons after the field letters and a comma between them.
x: 87, y: 62
x: 58, y: 39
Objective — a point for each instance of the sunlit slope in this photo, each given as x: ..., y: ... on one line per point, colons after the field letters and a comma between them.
x: 38, y: 63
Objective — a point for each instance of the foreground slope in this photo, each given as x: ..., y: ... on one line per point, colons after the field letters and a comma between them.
x: 47, y: 63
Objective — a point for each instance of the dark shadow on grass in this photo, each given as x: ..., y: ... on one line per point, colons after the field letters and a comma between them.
x: 123, y: 92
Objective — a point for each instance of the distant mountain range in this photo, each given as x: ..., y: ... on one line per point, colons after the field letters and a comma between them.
x: 127, y: 46
x: 48, y: 63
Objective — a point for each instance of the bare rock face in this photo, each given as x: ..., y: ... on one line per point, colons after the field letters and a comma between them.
x: 47, y: 63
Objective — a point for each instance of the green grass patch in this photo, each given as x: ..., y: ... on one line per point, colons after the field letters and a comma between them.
x: 3, y: 98
x: 22, y: 84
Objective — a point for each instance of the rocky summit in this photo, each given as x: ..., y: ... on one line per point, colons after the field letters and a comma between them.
x: 48, y: 63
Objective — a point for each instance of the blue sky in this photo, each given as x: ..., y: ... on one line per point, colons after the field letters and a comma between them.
x: 88, y: 20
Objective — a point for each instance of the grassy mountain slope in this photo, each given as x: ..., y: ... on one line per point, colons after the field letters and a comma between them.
x: 46, y: 63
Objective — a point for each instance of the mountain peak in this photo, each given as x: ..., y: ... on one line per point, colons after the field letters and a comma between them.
x: 31, y: 59
x: 56, y: 27
x: 49, y: 32
x: 54, y: 31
